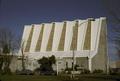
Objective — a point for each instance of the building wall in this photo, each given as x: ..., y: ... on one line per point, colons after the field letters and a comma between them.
x: 99, y: 61
x: 82, y: 62
x: 86, y: 38
x: 64, y: 35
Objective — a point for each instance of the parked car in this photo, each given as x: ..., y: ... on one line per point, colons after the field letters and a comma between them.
x: 24, y: 72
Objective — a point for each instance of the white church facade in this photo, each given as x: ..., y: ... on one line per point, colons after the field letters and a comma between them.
x: 82, y: 42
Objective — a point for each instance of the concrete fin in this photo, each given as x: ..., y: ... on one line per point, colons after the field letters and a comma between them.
x: 27, y: 48
x: 74, y: 37
x: 39, y: 42
x: 50, y: 40
x: 62, y: 39
x: 87, y: 42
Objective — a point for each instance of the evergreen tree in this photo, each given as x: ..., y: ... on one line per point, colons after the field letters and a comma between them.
x: 46, y: 63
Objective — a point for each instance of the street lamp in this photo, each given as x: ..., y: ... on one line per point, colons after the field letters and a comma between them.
x: 89, y: 19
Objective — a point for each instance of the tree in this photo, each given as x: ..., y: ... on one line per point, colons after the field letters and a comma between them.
x: 20, y: 44
x: 22, y: 57
x: 6, y: 59
x: 52, y: 60
x: 113, y: 9
x: 7, y: 37
x: 7, y: 47
x: 46, y: 63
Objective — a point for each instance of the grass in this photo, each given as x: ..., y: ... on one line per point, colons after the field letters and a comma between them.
x: 93, y: 77
x: 58, y: 78
x: 28, y: 78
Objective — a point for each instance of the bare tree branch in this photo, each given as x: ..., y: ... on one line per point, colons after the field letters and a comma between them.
x: 113, y: 9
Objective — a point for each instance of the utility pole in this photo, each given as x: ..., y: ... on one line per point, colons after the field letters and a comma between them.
x: 73, y: 65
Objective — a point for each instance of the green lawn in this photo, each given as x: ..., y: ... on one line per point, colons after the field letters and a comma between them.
x: 58, y: 78
x: 28, y: 78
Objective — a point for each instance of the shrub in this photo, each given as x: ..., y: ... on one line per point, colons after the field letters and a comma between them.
x: 46, y: 63
x: 1, y: 72
x: 68, y: 70
x: 37, y: 71
x: 85, y: 71
x: 76, y: 66
x: 6, y: 71
x: 114, y: 71
x: 98, y: 71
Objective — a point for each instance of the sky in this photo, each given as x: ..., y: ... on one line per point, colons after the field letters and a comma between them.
x: 14, y: 14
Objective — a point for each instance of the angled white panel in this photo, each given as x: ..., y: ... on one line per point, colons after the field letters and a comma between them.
x: 46, y: 34
x: 98, y: 35
x: 35, y: 37
x: 81, y: 34
x: 26, y: 32
x: 69, y: 34
x: 57, y: 35
x: 94, y: 33
x: 100, y: 20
